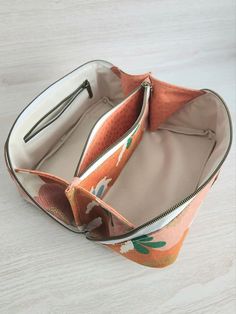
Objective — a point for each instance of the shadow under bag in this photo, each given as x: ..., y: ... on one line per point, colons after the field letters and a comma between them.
x: 124, y: 159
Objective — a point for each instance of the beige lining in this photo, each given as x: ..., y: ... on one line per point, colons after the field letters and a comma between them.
x: 164, y: 169
x: 168, y: 165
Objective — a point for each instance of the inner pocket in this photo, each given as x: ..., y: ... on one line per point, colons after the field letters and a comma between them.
x: 103, y: 172
x: 113, y: 127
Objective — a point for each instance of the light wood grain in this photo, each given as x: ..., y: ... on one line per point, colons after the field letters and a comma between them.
x: 43, y: 267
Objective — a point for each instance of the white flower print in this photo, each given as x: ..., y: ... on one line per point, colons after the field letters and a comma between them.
x: 98, y: 191
x: 90, y: 206
x: 126, y: 247
x: 121, y: 154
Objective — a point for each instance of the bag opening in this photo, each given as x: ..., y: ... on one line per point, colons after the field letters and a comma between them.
x: 176, y: 155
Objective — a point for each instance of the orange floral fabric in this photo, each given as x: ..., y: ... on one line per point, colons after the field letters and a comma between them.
x: 161, y: 248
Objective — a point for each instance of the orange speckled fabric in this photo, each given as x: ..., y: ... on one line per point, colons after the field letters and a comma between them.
x: 166, y: 98
x: 113, y: 128
x: 129, y: 82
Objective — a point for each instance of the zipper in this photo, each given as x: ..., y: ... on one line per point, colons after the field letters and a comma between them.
x: 87, y: 85
x: 57, y: 111
x: 186, y: 199
x: 146, y: 84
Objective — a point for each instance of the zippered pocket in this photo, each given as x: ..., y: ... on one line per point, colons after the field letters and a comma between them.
x: 103, y: 172
x: 113, y: 127
x: 57, y: 111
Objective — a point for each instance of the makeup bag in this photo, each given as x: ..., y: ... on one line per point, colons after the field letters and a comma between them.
x: 123, y: 159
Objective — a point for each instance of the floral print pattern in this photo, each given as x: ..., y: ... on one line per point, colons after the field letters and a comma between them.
x: 101, y: 187
x: 141, y: 244
x: 126, y: 145
x: 161, y: 248
x: 48, y: 192
x: 98, y: 191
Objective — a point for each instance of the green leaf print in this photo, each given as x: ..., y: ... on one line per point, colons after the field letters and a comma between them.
x: 144, y: 238
x: 155, y: 244
x: 129, y: 141
x: 142, y: 243
x: 141, y: 249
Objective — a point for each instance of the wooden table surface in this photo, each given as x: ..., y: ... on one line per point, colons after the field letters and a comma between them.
x: 45, y: 268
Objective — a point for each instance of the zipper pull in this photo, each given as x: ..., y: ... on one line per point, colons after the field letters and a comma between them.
x: 147, y: 88
x: 87, y: 85
x: 146, y: 84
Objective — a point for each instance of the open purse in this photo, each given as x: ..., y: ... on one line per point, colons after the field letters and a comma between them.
x: 123, y: 159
